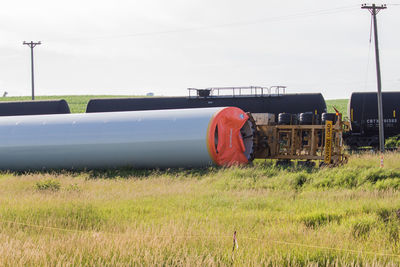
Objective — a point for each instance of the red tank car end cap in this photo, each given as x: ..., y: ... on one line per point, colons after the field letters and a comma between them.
x: 224, y: 140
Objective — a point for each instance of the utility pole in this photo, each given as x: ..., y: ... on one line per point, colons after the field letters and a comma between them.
x: 32, y: 45
x: 374, y: 10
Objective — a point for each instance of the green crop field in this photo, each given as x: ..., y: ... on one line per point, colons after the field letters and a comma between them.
x: 283, y: 216
x: 339, y: 104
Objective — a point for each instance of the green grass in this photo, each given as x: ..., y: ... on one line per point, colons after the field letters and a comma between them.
x: 339, y: 104
x: 283, y: 216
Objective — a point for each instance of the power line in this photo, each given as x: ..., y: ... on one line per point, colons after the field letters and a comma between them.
x: 369, y: 53
x: 233, y: 24
x: 32, y: 45
x: 374, y: 10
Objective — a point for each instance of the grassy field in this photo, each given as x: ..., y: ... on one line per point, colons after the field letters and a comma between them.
x: 78, y: 103
x: 339, y: 104
x: 293, y: 216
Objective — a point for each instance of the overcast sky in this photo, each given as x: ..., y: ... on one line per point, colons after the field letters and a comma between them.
x: 133, y: 47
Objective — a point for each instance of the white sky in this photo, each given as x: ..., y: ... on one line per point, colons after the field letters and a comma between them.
x: 134, y: 47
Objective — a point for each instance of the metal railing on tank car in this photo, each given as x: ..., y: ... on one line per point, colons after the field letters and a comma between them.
x: 239, y: 91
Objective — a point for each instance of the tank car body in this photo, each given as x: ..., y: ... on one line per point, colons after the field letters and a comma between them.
x: 288, y: 103
x: 363, y: 115
x: 19, y: 108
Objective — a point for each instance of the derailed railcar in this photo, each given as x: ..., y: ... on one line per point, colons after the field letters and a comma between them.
x: 363, y: 115
x: 42, y: 107
x: 286, y: 103
x: 140, y: 139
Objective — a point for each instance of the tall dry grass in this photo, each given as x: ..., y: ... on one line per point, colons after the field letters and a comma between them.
x: 294, y: 216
